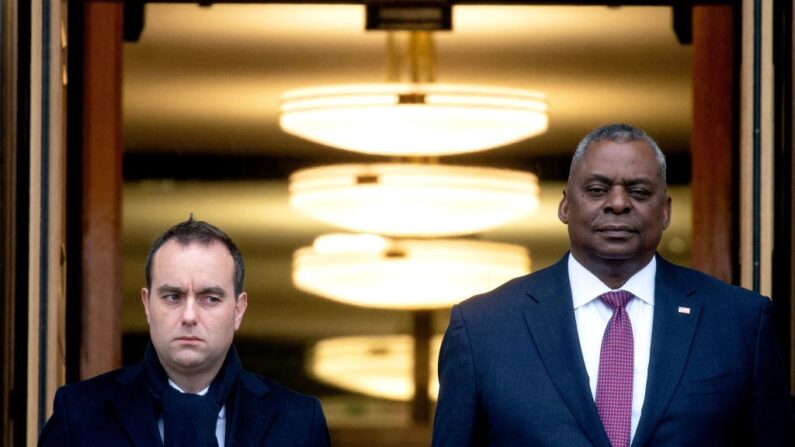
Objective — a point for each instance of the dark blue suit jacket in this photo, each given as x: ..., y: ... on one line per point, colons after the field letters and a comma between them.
x: 512, y: 372
x: 115, y: 409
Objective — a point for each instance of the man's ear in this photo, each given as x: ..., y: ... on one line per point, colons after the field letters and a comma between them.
x: 145, y: 301
x: 667, y: 213
x: 563, y: 209
x: 241, y: 303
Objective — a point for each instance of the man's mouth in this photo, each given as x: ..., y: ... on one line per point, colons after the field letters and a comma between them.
x: 616, y: 231
x: 189, y: 339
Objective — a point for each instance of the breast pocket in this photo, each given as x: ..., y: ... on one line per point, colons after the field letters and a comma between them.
x: 714, y: 383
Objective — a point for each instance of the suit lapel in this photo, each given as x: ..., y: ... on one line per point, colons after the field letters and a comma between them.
x: 253, y: 415
x: 550, y: 319
x: 676, y: 315
x: 134, y: 409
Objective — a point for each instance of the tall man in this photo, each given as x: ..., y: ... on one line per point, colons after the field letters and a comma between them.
x: 613, y: 345
x: 190, y: 389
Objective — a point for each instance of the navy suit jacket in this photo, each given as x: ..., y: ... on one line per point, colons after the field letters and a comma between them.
x: 512, y: 373
x: 115, y: 409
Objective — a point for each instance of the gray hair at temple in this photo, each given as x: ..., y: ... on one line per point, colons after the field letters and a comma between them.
x: 619, y: 133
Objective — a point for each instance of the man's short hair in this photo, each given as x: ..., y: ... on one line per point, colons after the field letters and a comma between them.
x: 619, y: 133
x: 197, y: 231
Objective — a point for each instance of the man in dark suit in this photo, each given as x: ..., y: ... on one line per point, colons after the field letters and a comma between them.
x: 613, y: 345
x: 190, y: 389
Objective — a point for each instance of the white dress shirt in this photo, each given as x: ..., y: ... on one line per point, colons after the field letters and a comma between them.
x: 592, y: 316
x: 220, y: 425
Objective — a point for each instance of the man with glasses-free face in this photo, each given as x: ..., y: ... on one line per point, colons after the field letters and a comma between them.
x: 613, y: 345
x: 190, y: 389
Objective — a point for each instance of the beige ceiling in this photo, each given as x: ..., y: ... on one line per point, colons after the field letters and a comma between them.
x: 207, y: 80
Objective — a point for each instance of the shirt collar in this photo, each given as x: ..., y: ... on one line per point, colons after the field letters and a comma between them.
x: 586, y: 287
x: 176, y: 387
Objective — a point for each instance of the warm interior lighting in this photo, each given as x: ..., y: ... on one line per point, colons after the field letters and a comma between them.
x: 413, y: 199
x: 369, y: 271
x: 413, y: 119
x: 378, y: 366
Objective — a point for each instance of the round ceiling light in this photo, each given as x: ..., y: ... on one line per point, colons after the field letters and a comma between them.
x: 376, y: 272
x: 405, y: 119
x: 378, y: 366
x: 427, y: 200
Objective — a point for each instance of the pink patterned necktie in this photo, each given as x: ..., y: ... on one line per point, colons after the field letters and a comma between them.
x: 614, y: 383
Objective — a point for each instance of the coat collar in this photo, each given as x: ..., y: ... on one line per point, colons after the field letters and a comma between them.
x: 251, y: 417
x: 134, y: 408
x: 252, y: 414
x: 550, y: 319
x: 676, y: 316
x: 549, y: 315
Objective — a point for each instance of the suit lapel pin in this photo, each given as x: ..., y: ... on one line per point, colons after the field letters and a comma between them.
x: 684, y: 310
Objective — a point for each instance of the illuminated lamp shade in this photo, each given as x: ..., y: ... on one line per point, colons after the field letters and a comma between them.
x: 402, y: 199
x: 402, y: 119
x: 377, y: 366
x: 375, y: 272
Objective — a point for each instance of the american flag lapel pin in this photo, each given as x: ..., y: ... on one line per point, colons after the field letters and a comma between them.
x: 684, y: 310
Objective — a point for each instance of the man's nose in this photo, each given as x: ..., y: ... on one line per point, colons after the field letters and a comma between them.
x: 617, y: 200
x: 189, y: 312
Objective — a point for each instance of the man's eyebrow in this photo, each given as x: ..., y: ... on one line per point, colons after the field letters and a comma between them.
x: 600, y: 178
x: 168, y: 288
x: 212, y: 290
x: 638, y: 181
x: 610, y: 181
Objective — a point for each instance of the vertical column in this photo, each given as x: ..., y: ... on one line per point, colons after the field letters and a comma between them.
x: 423, y: 332
x: 46, y: 223
x: 756, y: 146
x: 102, y: 185
x: 712, y: 148
x: 784, y: 253
x: 10, y: 246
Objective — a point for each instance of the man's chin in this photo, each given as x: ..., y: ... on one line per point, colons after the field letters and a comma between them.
x: 617, y: 249
x: 613, y: 256
x: 617, y: 254
x: 188, y: 360
x: 629, y: 257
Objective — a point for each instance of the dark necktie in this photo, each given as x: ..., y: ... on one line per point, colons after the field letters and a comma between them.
x: 614, y: 383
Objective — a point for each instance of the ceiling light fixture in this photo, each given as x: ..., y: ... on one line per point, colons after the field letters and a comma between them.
x: 409, y: 199
x: 403, y: 119
x: 376, y: 272
x: 378, y: 366
x: 412, y: 115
